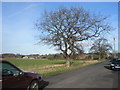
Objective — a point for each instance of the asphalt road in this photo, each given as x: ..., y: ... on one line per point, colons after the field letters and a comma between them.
x: 95, y: 76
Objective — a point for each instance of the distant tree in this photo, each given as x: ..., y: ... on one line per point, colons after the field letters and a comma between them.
x: 101, y: 47
x: 66, y: 27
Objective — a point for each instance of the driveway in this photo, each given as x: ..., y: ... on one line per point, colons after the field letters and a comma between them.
x: 94, y: 76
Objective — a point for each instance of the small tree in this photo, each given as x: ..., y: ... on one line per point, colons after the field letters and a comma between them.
x: 101, y: 47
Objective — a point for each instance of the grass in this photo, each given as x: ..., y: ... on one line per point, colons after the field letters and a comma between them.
x: 65, y: 69
x: 30, y: 62
x: 49, y: 67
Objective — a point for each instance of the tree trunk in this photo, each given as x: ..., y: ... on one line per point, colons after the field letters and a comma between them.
x: 92, y: 57
x: 99, y: 57
x: 68, y: 62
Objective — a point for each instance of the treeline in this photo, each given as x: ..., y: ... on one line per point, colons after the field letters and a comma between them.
x: 60, y: 56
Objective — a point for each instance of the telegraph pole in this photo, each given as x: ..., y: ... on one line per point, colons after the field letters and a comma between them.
x: 114, y: 48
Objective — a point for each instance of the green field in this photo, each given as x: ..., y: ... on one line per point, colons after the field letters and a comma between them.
x: 49, y: 67
x: 30, y: 62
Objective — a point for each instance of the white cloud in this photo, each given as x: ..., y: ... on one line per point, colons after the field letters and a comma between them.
x: 23, y: 10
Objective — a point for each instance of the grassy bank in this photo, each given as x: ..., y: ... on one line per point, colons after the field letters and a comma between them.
x: 50, y: 67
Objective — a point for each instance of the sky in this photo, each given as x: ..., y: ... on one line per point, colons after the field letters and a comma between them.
x: 20, y: 36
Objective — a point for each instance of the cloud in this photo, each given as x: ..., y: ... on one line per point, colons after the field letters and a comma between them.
x: 23, y: 10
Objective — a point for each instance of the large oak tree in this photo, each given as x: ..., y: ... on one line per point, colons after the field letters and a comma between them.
x: 64, y: 28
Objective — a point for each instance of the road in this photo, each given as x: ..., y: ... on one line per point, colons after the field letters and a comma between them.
x: 95, y: 76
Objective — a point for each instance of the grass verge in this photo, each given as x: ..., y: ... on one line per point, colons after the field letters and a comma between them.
x: 66, y: 69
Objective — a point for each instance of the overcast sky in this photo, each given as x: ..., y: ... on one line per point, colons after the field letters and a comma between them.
x: 19, y: 35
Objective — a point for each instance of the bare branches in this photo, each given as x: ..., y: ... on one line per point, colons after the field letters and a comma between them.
x: 101, y: 47
x: 66, y: 27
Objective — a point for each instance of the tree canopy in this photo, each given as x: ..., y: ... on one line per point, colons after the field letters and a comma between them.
x: 66, y: 27
x: 101, y: 47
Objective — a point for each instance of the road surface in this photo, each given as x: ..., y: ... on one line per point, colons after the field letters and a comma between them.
x: 95, y: 76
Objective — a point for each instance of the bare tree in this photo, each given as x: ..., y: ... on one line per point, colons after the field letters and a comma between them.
x: 101, y: 47
x: 66, y: 27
